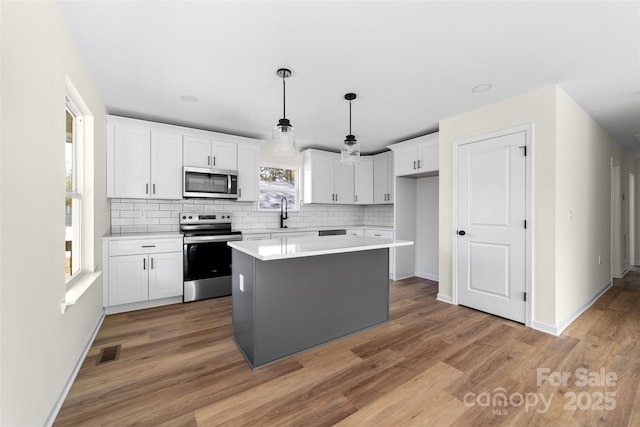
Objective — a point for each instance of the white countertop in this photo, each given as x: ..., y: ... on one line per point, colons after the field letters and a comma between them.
x: 297, y: 247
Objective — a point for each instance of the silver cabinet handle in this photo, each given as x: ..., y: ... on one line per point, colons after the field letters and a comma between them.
x: 148, y: 246
x: 152, y: 263
x: 208, y: 160
x: 356, y: 197
x: 154, y: 189
x: 239, y: 193
x: 144, y: 263
x: 146, y: 189
x: 214, y: 160
x: 419, y: 164
x: 414, y: 164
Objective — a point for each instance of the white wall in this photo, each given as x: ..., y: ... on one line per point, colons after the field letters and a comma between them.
x: 584, y: 152
x: 571, y: 172
x: 538, y: 108
x: 426, y: 239
x: 40, y: 347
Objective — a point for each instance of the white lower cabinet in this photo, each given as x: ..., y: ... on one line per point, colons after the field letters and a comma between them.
x: 384, y: 234
x: 142, y: 270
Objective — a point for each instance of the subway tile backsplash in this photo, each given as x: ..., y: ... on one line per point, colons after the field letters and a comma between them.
x: 140, y: 216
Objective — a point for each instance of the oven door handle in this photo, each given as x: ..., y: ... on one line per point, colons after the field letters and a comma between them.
x: 205, y: 239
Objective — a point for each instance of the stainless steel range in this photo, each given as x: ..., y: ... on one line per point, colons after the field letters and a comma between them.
x: 207, y: 258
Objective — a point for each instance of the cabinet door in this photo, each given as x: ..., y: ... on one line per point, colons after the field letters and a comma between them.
x: 128, y: 279
x: 383, y: 178
x: 166, y: 166
x: 196, y: 152
x: 248, y: 170
x: 405, y: 160
x: 165, y: 275
x: 132, y: 162
x: 224, y: 155
x: 428, y: 157
x: 343, y: 183
x: 318, y: 178
x: 364, y: 181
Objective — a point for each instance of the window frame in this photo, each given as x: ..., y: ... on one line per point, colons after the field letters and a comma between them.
x: 296, y: 207
x: 76, y: 193
x: 84, y: 163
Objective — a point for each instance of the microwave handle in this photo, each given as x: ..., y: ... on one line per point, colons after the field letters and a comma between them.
x: 229, y: 184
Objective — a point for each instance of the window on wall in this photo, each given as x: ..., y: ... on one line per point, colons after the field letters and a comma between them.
x: 73, y: 192
x: 278, y: 182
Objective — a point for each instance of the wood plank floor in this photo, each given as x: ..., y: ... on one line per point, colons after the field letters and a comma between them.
x: 431, y: 364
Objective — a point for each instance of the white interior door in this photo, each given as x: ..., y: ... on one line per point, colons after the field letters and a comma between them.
x: 491, y: 241
x: 616, y: 222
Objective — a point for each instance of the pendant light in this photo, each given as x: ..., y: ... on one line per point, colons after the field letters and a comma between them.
x: 350, y: 153
x: 283, y: 135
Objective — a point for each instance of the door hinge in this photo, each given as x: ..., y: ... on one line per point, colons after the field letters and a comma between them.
x: 524, y: 147
x: 525, y: 296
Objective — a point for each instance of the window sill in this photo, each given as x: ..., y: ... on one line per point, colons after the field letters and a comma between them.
x: 78, y: 287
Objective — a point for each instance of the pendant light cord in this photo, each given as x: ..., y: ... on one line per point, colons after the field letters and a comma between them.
x: 284, y: 100
x: 349, y: 117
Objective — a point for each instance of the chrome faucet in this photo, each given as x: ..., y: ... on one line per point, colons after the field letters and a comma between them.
x: 285, y: 215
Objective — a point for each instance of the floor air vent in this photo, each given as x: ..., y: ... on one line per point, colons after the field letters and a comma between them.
x: 108, y: 354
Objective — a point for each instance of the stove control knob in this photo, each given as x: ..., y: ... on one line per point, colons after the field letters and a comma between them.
x: 184, y: 217
x: 190, y: 217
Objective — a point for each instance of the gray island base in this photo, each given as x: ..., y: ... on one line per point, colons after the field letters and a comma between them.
x: 285, y: 306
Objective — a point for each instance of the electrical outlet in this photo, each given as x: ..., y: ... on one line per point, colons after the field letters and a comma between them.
x: 143, y: 214
x: 241, y: 280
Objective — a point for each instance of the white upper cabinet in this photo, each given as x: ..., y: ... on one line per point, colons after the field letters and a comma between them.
x: 143, y: 163
x: 326, y: 180
x: 364, y: 181
x: 208, y: 153
x: 248, y: 172
x: 166, y: 165
x: 383, y: 178
x: 416, y: 156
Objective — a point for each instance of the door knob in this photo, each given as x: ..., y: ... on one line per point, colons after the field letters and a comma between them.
x: 461, y: 232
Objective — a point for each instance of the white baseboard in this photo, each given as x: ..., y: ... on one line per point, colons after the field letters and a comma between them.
x: 142, y: 305
x: 427, y: 276
x: 568, y: 320
x: 65, y: 391
x: 444, y: 298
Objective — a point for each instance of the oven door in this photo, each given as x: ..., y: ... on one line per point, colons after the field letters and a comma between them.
x: 207, y: 267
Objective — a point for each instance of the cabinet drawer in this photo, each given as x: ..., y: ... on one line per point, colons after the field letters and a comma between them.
x: 144, y: 246
x: 385, y: 234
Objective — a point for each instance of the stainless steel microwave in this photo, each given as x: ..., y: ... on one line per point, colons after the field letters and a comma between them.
x: 209, y: 183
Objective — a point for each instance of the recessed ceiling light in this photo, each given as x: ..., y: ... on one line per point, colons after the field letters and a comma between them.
x: 482, y: 88
x: 189, y: 98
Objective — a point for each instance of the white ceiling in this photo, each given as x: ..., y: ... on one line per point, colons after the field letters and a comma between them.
x: 411, y: 63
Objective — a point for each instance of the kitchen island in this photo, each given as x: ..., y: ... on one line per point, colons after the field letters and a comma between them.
x: 292, y: 294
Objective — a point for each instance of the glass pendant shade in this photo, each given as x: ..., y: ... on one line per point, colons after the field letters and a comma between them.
x: 350, y: 152
x: 284, y: 138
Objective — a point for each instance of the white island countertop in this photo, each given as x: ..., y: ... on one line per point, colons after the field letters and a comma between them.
x: 297, y: 247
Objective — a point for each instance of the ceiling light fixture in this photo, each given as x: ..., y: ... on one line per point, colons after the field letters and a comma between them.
x: 283, y: 135
x: 481, y: 88
x: 189, y: 98
x: 350, y: 153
